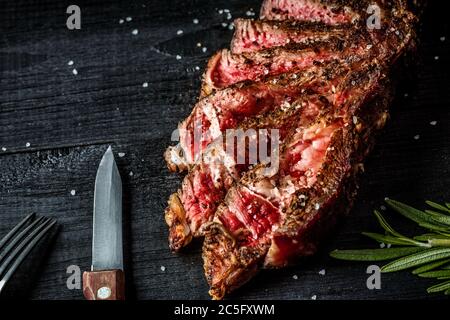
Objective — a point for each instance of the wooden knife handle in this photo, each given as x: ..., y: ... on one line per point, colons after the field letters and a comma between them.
x: 104, y: 285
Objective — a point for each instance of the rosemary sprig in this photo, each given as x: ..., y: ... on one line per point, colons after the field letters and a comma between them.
x: 373, y: 254
x: 429, y: 253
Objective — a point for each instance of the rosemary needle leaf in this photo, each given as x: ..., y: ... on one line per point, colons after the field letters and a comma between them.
x: 416, y: 259
x: 435, y: 274
x: 429, y: 236
x: 437, y: 206
x: 439, y: 287
x: 385, y: 225
x: 434, y: 227
x: 442, y: 219
x: 392, y: 240
x: 430, y: 266
x: 374, y: 254
x: 447, y: 204
x: 422, y: 218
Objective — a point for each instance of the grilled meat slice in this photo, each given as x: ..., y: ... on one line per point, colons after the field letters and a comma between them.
x: 332, y: 12
x: 208, y: 181
x: 225, y: 68
x: 227, y: 108
x: 224, y: 161
x: 267, y: 220
x: 256, y: 35
x: 309, y: 10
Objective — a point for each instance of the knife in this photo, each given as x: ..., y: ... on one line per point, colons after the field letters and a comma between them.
x: 106, y: 280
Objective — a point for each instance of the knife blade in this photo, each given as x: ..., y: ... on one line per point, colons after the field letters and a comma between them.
x: 105, y: 281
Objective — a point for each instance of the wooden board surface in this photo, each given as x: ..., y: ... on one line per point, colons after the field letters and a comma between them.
x: 55, y: 126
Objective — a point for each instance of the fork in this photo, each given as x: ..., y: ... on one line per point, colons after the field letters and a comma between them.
x: 18, y: 243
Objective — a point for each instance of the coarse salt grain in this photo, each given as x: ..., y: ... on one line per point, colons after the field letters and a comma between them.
x: 178, y: 57
x: 417, y: 137
x: 317, y: 206
x: 3, y: 149
x: 145, y: 84
x: 436, y: 58
x: 70, y: 63
x: 231, y: 26
x: 163, y: 268
x: 131, y: 173
x: 382, y: 245
x: 322, y: 272
x: 199, y: 44
x: 121, y: 154
x: 179, y: 32
x: 128, y: 19
x: 442, y: 39
x: 135, y: 32
x: 121, y: 21
x: 433, y: 123
x: 314, y: 297
x: 75, y: 71
x: 195, y: 21
x: 73, y: 192
x: 224, y: 24
x: 295, y: 277
x: 383, y: 208
x: 27, y: 144
x: 197, y: 68
x: 355, y: 119
x: 204, y: 49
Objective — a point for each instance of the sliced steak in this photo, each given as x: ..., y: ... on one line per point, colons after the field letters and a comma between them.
x: 268, y: 220
x: 225, y: 68
x: 256, y: 35
x: 227, y: 108
x: 206, y: 184
x: 208, y: 181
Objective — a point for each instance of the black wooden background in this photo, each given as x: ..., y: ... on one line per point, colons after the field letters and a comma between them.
x: 55, y: 126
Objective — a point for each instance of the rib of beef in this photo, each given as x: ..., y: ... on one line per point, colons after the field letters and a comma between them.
x: 206, y: 184
x: 267, y: 221
x: 313, y: 71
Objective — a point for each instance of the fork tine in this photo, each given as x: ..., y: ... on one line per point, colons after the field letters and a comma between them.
x: 16, y: 229
x: 18, y: 238
x: 23, y: 249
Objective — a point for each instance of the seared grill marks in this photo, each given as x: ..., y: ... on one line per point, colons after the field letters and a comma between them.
x: 312, y: 72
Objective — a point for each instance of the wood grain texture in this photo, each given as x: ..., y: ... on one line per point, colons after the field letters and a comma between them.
x: 70, y: 120
x: 104, y: 285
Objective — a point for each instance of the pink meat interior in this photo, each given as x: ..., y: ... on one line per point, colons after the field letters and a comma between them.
x: 252, y: 214
x: 232, y: 69
x: 304, y: 10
